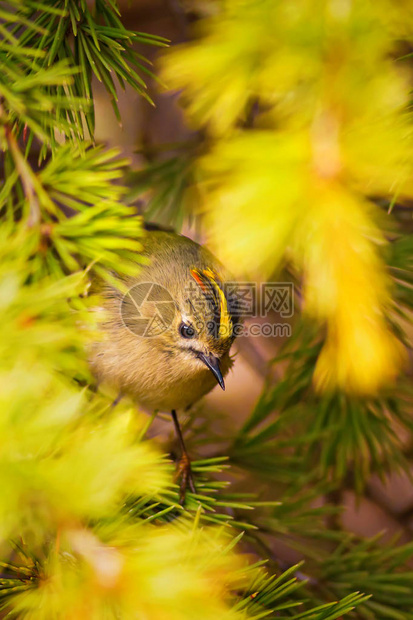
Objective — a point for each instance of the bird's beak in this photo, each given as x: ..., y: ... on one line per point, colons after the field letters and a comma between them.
x: 212, y: 363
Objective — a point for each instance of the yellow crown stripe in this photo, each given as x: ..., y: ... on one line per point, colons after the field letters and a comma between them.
x: 225, y: 324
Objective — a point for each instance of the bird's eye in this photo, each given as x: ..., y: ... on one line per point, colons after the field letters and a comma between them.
x: 187, y: 331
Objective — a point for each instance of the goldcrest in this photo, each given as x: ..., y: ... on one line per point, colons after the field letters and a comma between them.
x: 167, y: 339
x: 167, y: 333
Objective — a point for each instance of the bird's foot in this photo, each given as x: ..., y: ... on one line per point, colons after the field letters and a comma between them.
x: 184, y: 472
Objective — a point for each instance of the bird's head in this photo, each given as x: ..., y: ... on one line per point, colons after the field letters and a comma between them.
x: 187, y: 320
x: 203, y: 327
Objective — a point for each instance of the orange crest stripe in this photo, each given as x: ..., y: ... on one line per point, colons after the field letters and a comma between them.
x: 196, y: 276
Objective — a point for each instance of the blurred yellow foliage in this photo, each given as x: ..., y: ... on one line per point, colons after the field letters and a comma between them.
x: 345, y: 285
x: 137, y: 571
x: 333, y: 131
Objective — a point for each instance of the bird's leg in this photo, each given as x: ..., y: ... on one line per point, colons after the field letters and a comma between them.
x: 184, y: 465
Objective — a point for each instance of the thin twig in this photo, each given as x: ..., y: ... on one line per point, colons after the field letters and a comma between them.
x: 26, y: 176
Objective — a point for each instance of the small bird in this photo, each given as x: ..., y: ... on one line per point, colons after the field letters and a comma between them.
x: 167, y: 333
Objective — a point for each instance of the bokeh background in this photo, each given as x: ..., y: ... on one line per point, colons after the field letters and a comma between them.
x: 280, y: 135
